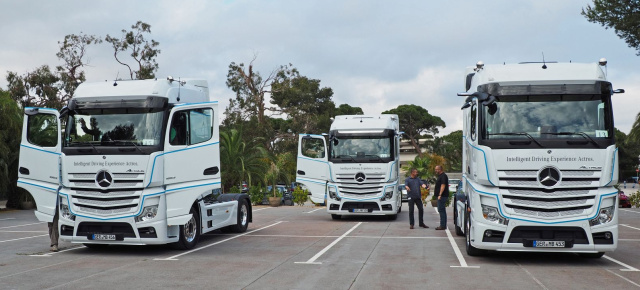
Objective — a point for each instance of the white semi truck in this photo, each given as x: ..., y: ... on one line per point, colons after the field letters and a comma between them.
x: 136, y: 163
x: 354, y: 169
x: 539, y: 159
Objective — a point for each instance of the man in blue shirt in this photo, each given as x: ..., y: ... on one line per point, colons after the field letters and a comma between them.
x: 413, y: 184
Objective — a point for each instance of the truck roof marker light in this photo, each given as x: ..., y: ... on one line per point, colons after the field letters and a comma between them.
x: 602, y: 61
x: 479, y: 66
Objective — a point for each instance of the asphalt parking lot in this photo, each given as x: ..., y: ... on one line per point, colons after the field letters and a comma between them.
x: 301, y: 248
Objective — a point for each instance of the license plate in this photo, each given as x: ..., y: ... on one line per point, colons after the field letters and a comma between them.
x: 548, y: 244
x: 103, y: 237
x: 360, y: 210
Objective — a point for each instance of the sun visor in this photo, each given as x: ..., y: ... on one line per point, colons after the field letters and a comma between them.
x: 497, y: 89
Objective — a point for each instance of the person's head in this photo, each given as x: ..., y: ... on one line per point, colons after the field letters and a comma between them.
x: 414, y: 173
x: 438, y: 170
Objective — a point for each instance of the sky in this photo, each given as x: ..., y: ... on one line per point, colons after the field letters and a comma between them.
x: 376, y: 55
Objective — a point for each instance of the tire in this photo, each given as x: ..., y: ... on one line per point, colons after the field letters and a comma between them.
x: 392, y: 217
x: 400, y: 206
x: 96, y: 246
x: 471, y: 250
x: 591, y: 255
x: 288, y: 202
x: 189, y: 232
x: 455, y: 218
x: 336, y: 216
x: 242, y: 222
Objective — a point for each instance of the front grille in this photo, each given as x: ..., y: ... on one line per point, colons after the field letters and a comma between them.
x: 366, y: 205
x: 121, y: 197
x: 87, y: 228
x: 375, y: 177
x: 575, y: 234
x: 357, y: 189
x: 120, y: 180
x: 529, y: 178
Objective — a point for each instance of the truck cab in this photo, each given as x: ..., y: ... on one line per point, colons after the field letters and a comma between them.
x: 539, y: 159
x: 353, y: 169
x: 133, y: 162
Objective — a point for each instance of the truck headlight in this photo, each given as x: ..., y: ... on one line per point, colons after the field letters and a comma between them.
x: 65, y: 212
x: 492, y: 214
x: 148, y: 213
x: 388, y: 194
x: 333, y: 194
x: 605, y: 216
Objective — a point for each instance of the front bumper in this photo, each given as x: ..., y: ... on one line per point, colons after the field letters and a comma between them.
x: 127, y: 231
x: 358, y: 207
x: 579, y: 236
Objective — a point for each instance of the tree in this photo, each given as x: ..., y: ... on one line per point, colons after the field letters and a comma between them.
x: 281, y: 169
x: 416, y: 121
x: 634, y: 134
x: 38, y: 88
x: 143, y: 51
x: 426, y: 164
x: 72, y: 52
x: 345, y: 109
x: 10, y: 136
x: 449, y: 147
x: 241, y: 160
x: 621, y: 15
x: 628, y: 151
x: 302, y: 100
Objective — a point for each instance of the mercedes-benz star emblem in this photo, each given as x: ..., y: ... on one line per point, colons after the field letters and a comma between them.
x: 104, y: 178
x: 360, y: 177
x: 549, y: 176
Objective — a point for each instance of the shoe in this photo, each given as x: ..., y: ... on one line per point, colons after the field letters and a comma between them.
x: 424, y: 226
x: 54, y: 248
x: 440, y: 228
x: 411, y: 227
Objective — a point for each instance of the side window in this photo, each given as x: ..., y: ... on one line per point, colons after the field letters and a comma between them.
x: 179, y: 128
x: 42, y: 130
x: 474, y: 114
x: 200, y: 125
x: 191, y: 127
x: 313, y: 147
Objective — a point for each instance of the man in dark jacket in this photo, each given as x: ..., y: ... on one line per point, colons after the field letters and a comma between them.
x: 442, y: 192
x: 413, y: 184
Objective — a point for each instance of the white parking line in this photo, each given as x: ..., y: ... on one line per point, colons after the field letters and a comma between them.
x: 31, y: 270
x: 313, y: 210
x: 634, y: 283
x: 22, y: 225
x: 622, y: 209
x: 314, y: 258
x: 23, y: 231
x: 630, y: 227
x: 7, y: 219
x: 173, y: 258
x: 461, y: 260
x: 58, y: 252
x: 23, y: 238
x: 261, y: 209
x: 628, y: 268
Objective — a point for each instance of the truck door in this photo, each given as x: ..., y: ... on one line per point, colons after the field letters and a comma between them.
x: 39, y: 167
x: 313, y: 166
x: 192, y: 155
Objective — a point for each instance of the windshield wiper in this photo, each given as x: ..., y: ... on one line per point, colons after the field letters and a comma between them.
x: 583, y: 134
x: 132, y: 143
x: 519, y: 134
x: 374, y: 156
x: 343, y: 156
x: 90, y: 144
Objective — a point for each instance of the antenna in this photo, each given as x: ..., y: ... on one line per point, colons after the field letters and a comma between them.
x: 544, y: 64
x: 115, y: 83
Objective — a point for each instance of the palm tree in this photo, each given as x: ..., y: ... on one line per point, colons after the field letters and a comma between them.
x: 10, y: 135
x: 241, y: 160
x: 634, y: 135
x: 280, y: 170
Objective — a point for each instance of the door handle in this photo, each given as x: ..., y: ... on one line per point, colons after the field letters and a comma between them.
x: 300, y: 172
x: 23, y: 171
x: 211, y: 171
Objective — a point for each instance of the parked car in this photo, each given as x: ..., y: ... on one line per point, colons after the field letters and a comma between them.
x: 403, y: 191
x: 287, y: 195
x: 244, y: 187
x: 453, y: 185
x: 624, y: 200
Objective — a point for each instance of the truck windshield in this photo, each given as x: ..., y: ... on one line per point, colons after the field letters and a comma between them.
x: 114, y: 127
x: 583, y: 118
x: 361, y: 149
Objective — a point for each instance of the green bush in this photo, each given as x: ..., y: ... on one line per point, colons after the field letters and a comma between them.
x: 256, y: 194
x: 634, y: 199
x: 234, y: 189
x: 300, y: 195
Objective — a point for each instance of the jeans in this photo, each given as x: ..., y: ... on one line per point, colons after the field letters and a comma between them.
x: 53, y: 229
x: 418, y: 204
x: 443, y: 211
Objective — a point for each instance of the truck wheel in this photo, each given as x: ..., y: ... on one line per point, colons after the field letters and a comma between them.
x: 400, y: 205
x: 455, y: 218
x: 189, y: 232
x: 392, y: 217
x: 471, y: 250
x: 243, y: 217
x: 591, y: 255
x: 336, y: 216
x: 96, y: 246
